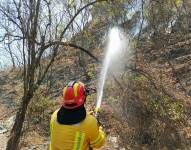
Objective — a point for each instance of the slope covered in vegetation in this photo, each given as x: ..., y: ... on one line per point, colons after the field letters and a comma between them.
x: 146, y: 106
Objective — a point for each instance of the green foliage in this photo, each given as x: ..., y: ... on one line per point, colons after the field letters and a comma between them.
x: 114, y: 10
x: 91, y: 98
x: 90, y: 72
x: 139, y: 78
x: 166, y: 107
x: 179, y: 2
x: 159, y: 13
x: 153, y: 115
x: 111, y: 99
x: 157, y: 102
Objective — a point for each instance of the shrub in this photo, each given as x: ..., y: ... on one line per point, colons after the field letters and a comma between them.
x: 155, y: 118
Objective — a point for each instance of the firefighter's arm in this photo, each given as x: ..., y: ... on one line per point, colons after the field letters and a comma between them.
x: 50, y: 147
x: 51, y: 128
x: 97, y: 136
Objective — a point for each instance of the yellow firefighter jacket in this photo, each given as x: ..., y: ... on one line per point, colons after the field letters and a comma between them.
x: 79, y: 136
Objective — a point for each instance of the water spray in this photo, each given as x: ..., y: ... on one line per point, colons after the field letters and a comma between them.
x: 114, y: 45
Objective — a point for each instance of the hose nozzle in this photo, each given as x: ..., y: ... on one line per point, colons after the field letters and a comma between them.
x: 96, y: 110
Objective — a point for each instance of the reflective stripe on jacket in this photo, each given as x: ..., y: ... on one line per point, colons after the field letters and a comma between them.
x: 75, y: 137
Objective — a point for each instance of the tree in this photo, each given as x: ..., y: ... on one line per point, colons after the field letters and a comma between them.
x: 40, y: 28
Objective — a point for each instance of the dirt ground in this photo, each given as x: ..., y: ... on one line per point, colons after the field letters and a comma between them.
x: 3, y: 117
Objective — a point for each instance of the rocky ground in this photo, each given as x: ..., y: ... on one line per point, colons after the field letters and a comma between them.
x: 3, y: 129
x: 7, y: 106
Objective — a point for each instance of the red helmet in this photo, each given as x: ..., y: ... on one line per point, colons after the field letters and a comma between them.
x: 74, y: 95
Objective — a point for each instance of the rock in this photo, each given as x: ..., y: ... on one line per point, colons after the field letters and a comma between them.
x: 9, y: 122
x: 189, y: 93
x: 30, y: 148
x: 37, y: 147
x: 114, y: 141
x: 2, y: 129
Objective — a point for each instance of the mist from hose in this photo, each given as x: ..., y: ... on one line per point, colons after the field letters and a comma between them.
x: 113, y: 48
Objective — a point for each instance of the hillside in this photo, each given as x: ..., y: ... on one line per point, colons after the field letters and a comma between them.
x: 66, y: 69
x: 146, y: 70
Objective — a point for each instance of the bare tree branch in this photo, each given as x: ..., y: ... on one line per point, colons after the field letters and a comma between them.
x: 3, y: 10
x: 70, y: 22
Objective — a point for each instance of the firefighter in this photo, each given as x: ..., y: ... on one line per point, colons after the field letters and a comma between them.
x: 71, y: 127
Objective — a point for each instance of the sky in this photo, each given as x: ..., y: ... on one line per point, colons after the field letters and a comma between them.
x: 5, y: 59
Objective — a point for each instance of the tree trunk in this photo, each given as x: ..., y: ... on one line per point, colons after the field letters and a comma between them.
x: 12, y: 59
x: 15, y: 134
